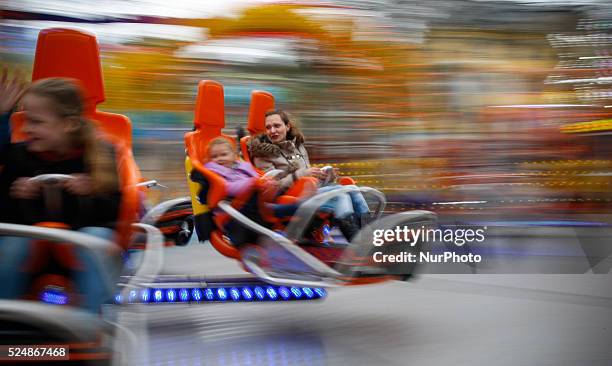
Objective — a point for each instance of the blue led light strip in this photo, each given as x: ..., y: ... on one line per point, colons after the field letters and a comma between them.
x: 247, y: 293
x: 54, y: 297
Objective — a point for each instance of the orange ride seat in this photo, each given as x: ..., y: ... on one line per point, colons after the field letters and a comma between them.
x: 209, y: 120
x: 75, y: 54
x: 261, y: 102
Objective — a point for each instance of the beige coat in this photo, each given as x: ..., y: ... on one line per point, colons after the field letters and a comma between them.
x: 285, y: 156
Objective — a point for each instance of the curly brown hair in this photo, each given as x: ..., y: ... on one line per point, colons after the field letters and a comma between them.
x: 294, y: 131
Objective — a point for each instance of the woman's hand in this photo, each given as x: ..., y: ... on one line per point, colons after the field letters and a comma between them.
x: 25, y: 189
x: 271, y: 186
x: 81, y: 185
x: 332, y: 174
x: 10, y: 91
x: 315, y: 172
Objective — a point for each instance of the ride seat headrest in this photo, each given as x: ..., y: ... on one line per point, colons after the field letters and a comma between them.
x: 261, y: 102
x: 210, y: 107
x: 70, y: 53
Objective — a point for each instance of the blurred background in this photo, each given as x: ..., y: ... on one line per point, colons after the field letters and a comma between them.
x: 498, y: 108
x: 491, y: 113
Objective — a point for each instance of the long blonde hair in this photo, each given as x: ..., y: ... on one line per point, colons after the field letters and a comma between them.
x: 68, y: 102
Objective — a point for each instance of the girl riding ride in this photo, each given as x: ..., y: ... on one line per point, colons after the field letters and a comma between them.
x: 59, y: 141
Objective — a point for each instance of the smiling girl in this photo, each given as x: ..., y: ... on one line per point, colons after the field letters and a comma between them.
x: 59, y: 141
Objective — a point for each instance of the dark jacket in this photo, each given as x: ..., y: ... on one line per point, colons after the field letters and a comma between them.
x: 285, y: 156
x: 5, y: 131
x: 77, y: 211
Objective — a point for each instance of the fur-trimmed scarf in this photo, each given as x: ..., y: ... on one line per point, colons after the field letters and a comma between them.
x: 261, y: 147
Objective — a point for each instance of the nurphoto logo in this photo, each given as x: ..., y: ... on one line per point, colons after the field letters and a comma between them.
x: 411, y: 236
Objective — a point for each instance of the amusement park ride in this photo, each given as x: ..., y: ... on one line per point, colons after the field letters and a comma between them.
x: 281, y: 266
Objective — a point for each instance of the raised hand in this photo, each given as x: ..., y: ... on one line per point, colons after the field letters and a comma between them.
x: 10, y: 90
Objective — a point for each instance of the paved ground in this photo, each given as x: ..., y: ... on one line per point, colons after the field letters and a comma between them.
x: 438, y: 320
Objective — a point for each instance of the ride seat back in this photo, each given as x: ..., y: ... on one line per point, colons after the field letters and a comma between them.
x: 75, y: 54
x: 72, y: 54
x: 209, y: 120
x: 261, y: 102
x: 210, y: 108
x: 196, y: 156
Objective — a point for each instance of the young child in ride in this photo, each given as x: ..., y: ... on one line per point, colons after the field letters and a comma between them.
x: 240, y: 176
x: 59, y: 141
x: 245, y: 185
x: 223, y: 160
x: 282, y: 147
